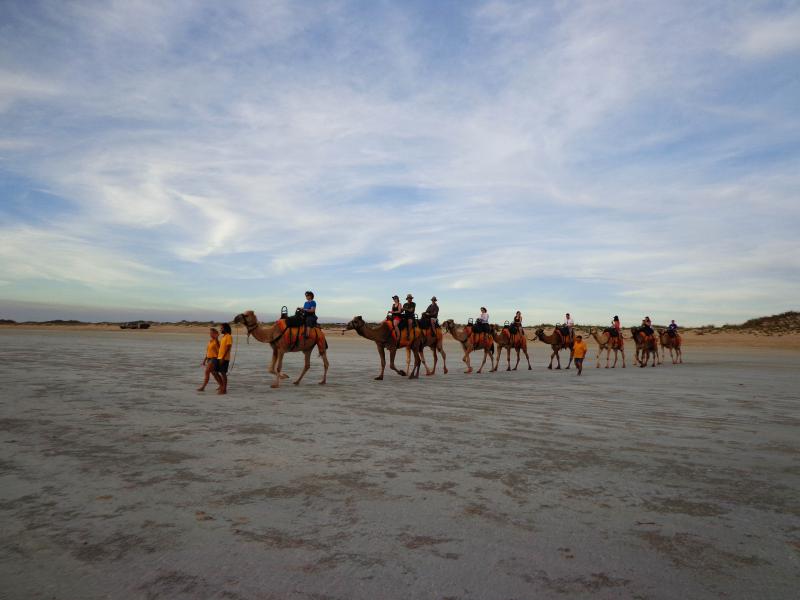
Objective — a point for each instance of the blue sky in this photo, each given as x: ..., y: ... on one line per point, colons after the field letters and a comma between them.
x: 188, y: 158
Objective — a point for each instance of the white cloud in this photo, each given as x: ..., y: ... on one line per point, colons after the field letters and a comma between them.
x: 769, y: 37
x: 280, y: 140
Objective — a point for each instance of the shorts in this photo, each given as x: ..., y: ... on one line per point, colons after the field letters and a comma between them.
x: 578, y: 362
x: 221, y: 366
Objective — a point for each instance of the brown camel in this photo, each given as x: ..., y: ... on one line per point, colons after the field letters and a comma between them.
x: 285, y: 339
x: 668, y: 341
x: 645, y: 346
x: 507, y: 341
x: 558, y: 342
x: 433, y: 339
x: 470, y: 342
x: 383, y: 336
x: 605, y: 341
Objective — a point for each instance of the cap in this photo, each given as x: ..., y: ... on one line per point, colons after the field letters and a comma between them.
x: 433, y: 299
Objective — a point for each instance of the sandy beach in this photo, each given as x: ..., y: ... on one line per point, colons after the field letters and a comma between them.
x: 119, y: 480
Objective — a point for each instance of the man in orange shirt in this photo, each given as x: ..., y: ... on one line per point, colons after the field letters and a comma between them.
x: 224, y: 357
x: 579, y: 351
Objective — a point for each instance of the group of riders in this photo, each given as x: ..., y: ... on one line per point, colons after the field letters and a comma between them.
x: 404, y: 316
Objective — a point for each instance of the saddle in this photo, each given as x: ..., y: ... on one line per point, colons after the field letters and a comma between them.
x: 564, y: 331
x: 611, y: 331
x: 294, y: 333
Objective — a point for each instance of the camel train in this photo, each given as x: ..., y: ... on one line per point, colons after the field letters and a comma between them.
x: 286, y: 335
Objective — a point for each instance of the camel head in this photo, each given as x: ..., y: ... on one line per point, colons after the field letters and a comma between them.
x: 539, y: 333
x: 356, y: 323
x: 248, y: 317
x: 449, y: 325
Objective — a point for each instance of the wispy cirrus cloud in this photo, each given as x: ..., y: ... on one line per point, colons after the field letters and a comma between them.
x: 498, y: 153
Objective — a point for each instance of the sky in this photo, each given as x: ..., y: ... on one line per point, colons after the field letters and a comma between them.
x: 204, y: 158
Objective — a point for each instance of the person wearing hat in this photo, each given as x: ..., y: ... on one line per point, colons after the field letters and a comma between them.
x: 482, y: 321
x: 432, y: 312
x: 409, y: 310
x: 395, y: 313
x: 616, y: 325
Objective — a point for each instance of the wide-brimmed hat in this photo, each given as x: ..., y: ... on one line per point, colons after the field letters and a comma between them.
x: 433, y: 299
x: 409, y: 297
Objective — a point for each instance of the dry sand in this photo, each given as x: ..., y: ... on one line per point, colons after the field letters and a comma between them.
x: 118, y: 480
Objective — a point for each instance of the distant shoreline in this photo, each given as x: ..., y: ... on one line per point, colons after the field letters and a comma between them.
x: 699, y: 337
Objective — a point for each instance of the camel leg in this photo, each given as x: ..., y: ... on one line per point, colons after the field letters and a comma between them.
x: 569, y: 364
x: 435, y: 361
x: 466, y: 360
x: 528, y: 358
x: 680, y: 355
x: 408, y: 359
x: 622, y: 352
x: 517, y: 363
x: 444, y: 358
x: 272, y: 364
x: 306, y: 366
x: 392, y: 353
x: 414, y: 374
x: 278, y: 365
x: 325, y: 365
x: 483, y: 362
x: 382, y: 354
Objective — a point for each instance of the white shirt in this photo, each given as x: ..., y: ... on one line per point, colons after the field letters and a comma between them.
x: 484, y: 317
x: 570, y: 322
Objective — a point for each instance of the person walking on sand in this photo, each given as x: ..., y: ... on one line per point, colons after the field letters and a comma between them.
x: 579, y: 352
x: 212, y: 350
x: 224, y: 357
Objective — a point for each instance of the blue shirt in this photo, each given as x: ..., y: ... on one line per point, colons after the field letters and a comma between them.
x: 310, y: 304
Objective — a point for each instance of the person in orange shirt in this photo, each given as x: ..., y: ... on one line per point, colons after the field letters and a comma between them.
x: 223, y: 358
x: 579, y: 351
x: 212, y: 350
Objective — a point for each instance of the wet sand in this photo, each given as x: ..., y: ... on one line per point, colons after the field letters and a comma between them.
x: 118, y: 480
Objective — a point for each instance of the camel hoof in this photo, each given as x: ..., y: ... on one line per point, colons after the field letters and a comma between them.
x: 530, y: 368
x: 379, y: 378
x: 274, y: 386
x: 322, y: 382
x: 284, y: 376
x: 445, y: 371
x: 550, y: 366
x: 295, y: 383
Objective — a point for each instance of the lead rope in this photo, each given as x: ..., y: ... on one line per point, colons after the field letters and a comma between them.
x: 235, y: 348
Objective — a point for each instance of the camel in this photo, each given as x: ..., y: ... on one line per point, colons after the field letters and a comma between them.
x: 383, y: 337
x: 608, y: 343
x: 667, y: 341
x: 470, y: 342
x: 432, y: 339
x: 507, y: 341
x: 645, y: 346
x: 558, y: 342
x: 285, y: 339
